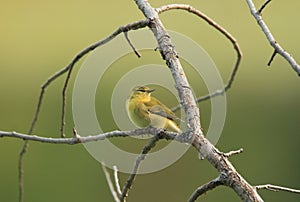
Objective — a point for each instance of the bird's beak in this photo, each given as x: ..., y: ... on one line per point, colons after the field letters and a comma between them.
x: 150, y: 90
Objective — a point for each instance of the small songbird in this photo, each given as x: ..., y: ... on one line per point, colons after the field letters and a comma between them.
x: 145, y: 110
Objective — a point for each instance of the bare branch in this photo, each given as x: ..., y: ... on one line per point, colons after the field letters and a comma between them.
x: 220, y: 29
x: 131, y: 45
x: 228, y: 175
x: 79, y: 139
x: 117, y: 184
x: 277, y: 188
x: 33, y: 122
x: 288, y: 57
x: 263, y: 6
x: 20, y: 170
x: 195, y: 135
x: 110, y: 184
x: 125, y: 28
x: 228, y: 154
x: 204, y: 188
x: 272, y: 58
x: 151, y: 143
x: 76, y: 135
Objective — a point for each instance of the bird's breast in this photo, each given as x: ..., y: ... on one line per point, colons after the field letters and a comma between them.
x: 138, y: 113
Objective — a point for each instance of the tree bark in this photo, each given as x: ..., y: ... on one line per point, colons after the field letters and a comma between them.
x: 228, y: 175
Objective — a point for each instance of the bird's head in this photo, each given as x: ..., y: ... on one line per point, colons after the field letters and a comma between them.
x: 142, y: 92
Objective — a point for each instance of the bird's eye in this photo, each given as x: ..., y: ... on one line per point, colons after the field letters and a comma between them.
x: 142, y: 90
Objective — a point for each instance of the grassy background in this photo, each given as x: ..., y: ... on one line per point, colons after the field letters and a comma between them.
x: 40, y: 37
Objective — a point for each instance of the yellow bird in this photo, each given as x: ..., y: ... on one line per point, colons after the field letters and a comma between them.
x: 145, y: 110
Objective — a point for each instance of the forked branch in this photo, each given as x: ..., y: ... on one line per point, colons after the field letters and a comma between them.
x: 68, y: 68
x: 228, y: 175
x: 277, y: 48
x: 151, y: 143
x: 195, y: 135
x: 223, y: 31
x: 110, y: 183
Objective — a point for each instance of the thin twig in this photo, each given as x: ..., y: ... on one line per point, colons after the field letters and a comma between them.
x: 228, y: 154
x: 131, y: 45
x: 263, y: 6
x: 204, y: 188
x: 125, y: 28
x: 20, y: 170
x: 220, y: 29
x: 137, y: 163
x: 272, y: 58
x: 117, y: 183
x: 33, y: 123
x: 76, y: 135
x: 110, y: 184
x: 41, y: 96
x: 288, y: 57
x: 277, y: 188
x: 80, y: 139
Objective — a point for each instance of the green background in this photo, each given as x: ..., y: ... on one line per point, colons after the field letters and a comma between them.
x: 38, y: 38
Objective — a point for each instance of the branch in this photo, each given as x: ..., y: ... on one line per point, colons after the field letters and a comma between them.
x: 131, y: 45
x: 272, y: 58
x: 205, y: 188
x: 169, y: 54
x: 124, y: 28
x: 78, y: 139
x: 195, y: 135
x: 117, y: 184
x: 151, y: 143
x: 110, y: 184
x: 263, y: 6
x: 228, y: 154
x: 277, y: 188
x: 20, y: 170
x: 69, y: 67
x: 220, y: 29
x: 278, y: 49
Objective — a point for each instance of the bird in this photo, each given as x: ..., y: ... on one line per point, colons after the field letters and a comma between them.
x: 144, y: 110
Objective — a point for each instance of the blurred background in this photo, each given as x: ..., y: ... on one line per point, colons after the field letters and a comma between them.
x: 38, y: 38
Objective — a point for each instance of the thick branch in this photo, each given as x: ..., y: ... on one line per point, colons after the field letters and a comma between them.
x: 195, y: 135
x: 169, y: 54
x: 278, y: 49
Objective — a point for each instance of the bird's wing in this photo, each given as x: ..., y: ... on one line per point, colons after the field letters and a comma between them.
x: 156, y: 107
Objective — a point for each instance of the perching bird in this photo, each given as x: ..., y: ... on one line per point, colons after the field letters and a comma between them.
x: 145, y: 110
